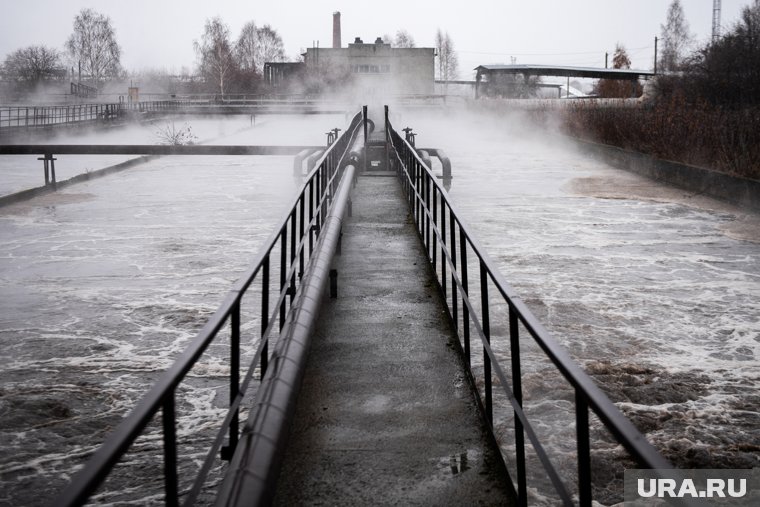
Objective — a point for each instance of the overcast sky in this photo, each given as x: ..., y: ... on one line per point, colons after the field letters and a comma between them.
x: 160, y: 33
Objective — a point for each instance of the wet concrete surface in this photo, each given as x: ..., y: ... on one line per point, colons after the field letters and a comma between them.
x: 385, y: 415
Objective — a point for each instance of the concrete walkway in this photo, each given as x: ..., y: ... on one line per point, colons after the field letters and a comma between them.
x: 385, y: 415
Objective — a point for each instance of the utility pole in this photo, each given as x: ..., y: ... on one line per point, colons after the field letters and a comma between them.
x: 606, y: 57
x: 655, y: 56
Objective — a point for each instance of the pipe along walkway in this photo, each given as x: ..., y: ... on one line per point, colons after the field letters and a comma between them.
x: 385, y: 415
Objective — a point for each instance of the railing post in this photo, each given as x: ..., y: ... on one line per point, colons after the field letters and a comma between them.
x: 301, y: 232
x: 428, y: 185
x: 420, y: 193
x: 318, y: 197
x: 229, y: 450
x: 387, y: 138
x: 584, y: 449
x: 170, y: 451
x: 453, y: 249
x: 292, y: 254
x: 465, y: 309
x: 264, y: 314
x: 444, y: 271
x: 311, y: 216
x: 283, y: 269
x: 514, y: 343
x: 487, y: 333
x: 436, y: 238
x: 366, y: 140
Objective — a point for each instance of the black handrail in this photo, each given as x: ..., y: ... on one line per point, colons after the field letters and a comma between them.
x: 295, y: 240
x: 431, y: 208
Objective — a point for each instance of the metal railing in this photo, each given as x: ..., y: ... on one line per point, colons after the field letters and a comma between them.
x: 46, y: 116
x: 43, y: 116
x: 289, y: 252
x: 450, y: 246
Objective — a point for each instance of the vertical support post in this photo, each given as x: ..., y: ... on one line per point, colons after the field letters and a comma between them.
x: 366, y: 140
x: 229, y: 450
x: 170, y: 451
x: 318, y: 197
x: 444, y: 277
x: 584, y: 449
x: 453, y: 249
x: 655, y: 56
x: 416, y: 195
x: 387, y: 139
x: 465, y: 309
x: 484, y: 309
x: 52, y: 172
x: 292, y: 254
x: 311, y: 216
x: 283, y: 269
x: 47, y: 169
x: 420, y: 195
x: 426, y: 209
x: 436, y: 238
x: 514, y: 341
x: 264, y: 314
x: 301, y: 232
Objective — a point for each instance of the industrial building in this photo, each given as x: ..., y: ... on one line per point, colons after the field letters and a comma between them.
x: 374, y: 69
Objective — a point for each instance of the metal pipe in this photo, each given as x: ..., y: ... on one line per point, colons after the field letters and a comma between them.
x: 148, y: 149
x: 252, y: 475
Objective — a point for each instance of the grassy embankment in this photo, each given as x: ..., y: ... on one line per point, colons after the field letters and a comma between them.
x: 710, y: 136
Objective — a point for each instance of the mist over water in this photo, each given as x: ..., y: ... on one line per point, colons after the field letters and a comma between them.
x: 104, y: 283
x: 654, y: 291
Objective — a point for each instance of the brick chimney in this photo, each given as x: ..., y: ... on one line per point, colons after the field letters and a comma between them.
x: 336, y: 29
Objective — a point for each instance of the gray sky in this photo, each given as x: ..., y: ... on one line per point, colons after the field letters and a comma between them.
x: 160, y: 33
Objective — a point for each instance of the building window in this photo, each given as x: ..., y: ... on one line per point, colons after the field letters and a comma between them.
x: 371, y: 69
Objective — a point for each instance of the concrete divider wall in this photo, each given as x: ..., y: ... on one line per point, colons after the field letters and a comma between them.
x: 733, y: 189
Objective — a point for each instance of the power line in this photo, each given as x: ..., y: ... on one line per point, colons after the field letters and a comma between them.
x: 508, y: 53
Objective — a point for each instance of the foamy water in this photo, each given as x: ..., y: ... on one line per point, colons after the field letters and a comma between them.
x: 105, y: 282
x: 645, y: 287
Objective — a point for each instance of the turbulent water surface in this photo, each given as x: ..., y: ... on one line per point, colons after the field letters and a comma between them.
x: 102, y: 284
x: 655, y: 292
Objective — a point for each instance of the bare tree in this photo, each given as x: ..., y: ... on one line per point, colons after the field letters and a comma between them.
x: 403, y: 39
x: 93, y: 45
x: 170, y: 135
x: 216, y: 61
x: 613, y: 88
x: 270, y: 47
x: 620, y: 59
x: 33, y: 64
x: 246, y: 47
x: 448, y: 64
x: 676, y: 38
